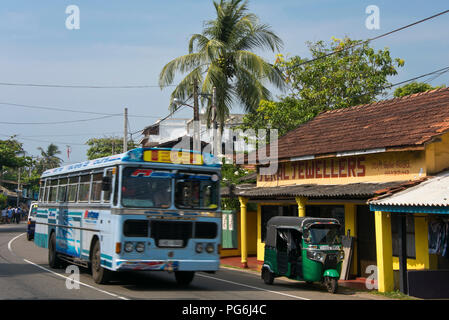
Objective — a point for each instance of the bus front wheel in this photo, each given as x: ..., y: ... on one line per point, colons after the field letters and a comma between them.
x: 99, y: 274
x: 184, y: 278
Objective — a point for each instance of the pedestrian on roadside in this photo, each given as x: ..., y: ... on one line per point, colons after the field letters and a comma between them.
x: 13, y: 217
x: 9, y: 214
x: 21, y: 214
x: 4, y: 215
x: 17, y: 212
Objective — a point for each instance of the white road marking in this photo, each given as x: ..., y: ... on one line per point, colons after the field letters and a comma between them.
x: 10, y: 242
x: 60, y: 275
x: 72, y: 280
x: 252, y: 287
x: 123, y: 298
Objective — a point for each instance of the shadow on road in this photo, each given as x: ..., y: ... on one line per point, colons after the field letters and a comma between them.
x: 12, y: 228
x: 163, y: 281
x: 18, y: 269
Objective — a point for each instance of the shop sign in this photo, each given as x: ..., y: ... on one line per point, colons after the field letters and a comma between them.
x: 371, y: 167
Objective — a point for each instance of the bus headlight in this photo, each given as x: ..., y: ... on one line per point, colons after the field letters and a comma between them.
x: 199, y: 247
x: 140, y: 247
x: 210, y: 248
x: 129, y: 246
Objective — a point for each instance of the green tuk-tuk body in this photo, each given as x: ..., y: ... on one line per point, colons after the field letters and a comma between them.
x: 304, y: 249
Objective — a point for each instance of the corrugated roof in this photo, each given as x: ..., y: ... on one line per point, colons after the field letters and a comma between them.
x: 357, y: 190
x: 432, y: 192
x: 408, y: 121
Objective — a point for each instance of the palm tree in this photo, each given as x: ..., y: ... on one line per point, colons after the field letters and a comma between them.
x: 48, y: 158
x: 222, y: 57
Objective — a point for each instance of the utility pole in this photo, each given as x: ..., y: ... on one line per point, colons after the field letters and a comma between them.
x: 196, y: 118
x: 125, y: 132
x: 216, y: 143
x: 18, y: 187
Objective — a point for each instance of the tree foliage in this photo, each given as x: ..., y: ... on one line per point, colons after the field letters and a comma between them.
x: 48, y: 158
x: 3, y: 201
x: 414, y: 87
x: 103, y: 147
x: 342, y: 74
x: 222, y: 56
x: 230, y: 176
x: 12, y: 154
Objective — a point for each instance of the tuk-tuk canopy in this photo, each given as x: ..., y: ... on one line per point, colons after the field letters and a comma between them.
x: 297, y: 223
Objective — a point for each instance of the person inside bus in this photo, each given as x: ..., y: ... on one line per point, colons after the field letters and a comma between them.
x: 161, y: 197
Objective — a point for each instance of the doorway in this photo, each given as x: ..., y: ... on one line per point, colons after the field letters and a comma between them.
x: 366, y: 240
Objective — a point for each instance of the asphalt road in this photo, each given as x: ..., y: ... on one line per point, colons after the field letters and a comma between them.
x: 25, y: 274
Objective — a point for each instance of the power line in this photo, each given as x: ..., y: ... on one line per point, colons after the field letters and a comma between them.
x: 443, y: 70
x: 81, y: 86
x: 59, y: 122
x: 54, y: 142
x: 440, y: 71
x: 436, y: 74
x: 67, y: 110
x: 369, y: 40
x: 74, y: 135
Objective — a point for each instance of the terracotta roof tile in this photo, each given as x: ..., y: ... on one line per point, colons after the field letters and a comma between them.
x: 408, y: 121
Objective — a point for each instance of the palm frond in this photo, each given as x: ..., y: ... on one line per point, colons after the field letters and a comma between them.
x: 181, y: 64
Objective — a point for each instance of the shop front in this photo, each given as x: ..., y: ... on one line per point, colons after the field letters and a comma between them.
x: 334, y: 164
x: 344, y: 200
x: 418, y: 217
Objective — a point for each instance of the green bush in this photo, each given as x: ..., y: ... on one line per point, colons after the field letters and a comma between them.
x: 3, y: 201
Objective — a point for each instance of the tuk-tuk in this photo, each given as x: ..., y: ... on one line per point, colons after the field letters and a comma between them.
x: 305, y: 249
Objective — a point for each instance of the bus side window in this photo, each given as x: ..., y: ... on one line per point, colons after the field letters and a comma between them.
x: 53, y: 190
x: 62, y: 190
x: 96, y: 187
x: 107, y: 194
x: 72, y: 189
x: 117, y: 171
x: 47, y: 190
x: 84, y: 188
x: 42, y: 191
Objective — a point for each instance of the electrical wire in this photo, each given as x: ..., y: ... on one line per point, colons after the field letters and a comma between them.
x: 81, y: 86
x: 59, y: 122
x: 72, y: 110
x: 369, y: 40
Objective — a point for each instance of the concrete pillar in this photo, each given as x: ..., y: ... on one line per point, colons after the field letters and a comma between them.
x: 260, y: 244
x: 384, y: 248
x: 243, y: 231
x: 351, y: 226
x: 301, y: 201
x: 422, y: 243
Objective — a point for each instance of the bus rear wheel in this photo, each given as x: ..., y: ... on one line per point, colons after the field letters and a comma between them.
x: 99, y: 274
x: 184, y: 278
x: 53, y: 260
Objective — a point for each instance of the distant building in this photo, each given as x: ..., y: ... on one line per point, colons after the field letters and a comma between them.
x: 170, y: 130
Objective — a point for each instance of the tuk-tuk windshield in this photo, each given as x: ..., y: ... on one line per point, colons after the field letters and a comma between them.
x: 324, y: 234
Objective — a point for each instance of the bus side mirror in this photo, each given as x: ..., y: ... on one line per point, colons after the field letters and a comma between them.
x: 106, y: 184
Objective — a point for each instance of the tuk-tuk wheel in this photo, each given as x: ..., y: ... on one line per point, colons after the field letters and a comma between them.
x: 331, y: 284
x: 267, y: 276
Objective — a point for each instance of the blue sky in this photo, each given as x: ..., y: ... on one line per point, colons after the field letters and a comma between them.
x: 128, y: 42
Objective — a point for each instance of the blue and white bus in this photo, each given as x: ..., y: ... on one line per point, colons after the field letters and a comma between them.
x: 145, y: 209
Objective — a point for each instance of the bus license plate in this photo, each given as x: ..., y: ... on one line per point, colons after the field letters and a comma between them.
x: 170, y: 243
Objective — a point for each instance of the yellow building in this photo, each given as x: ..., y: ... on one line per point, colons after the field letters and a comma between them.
x: 334, y: 164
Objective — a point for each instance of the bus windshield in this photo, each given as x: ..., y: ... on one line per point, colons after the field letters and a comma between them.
x: 142, y: 188
x: 324, y: 234
x: 196, y: 191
